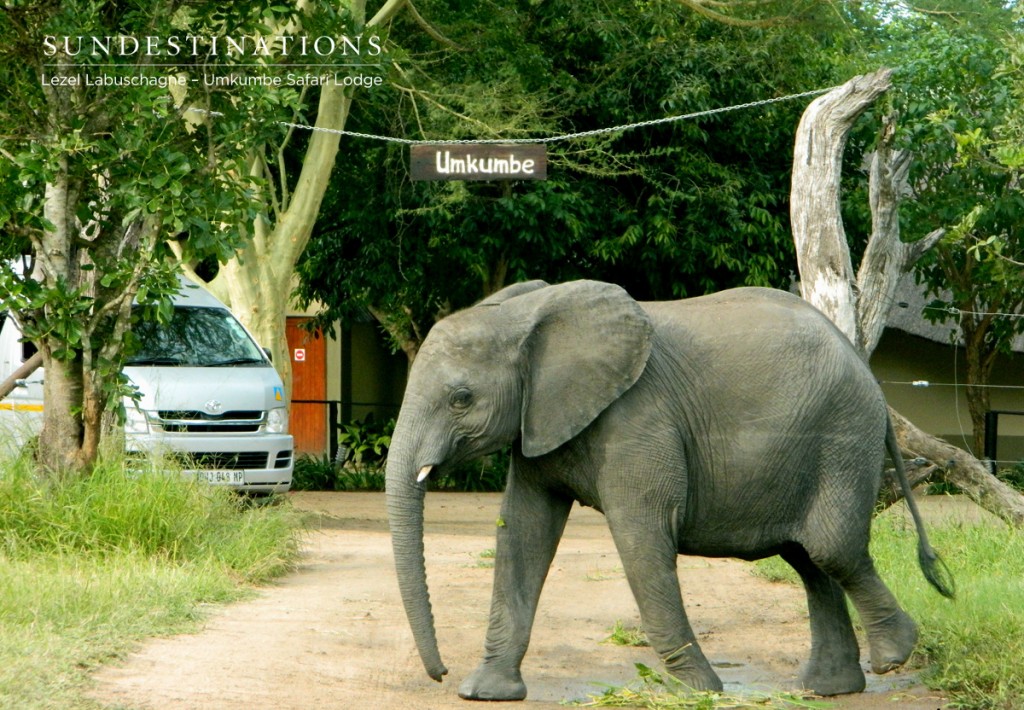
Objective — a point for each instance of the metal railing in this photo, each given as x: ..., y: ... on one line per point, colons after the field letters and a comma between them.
x: 341, y: 412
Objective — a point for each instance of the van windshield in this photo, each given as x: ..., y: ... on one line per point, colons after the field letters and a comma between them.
x: 195, y: 337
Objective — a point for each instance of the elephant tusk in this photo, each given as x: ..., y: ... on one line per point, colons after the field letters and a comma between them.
x: 424, y: 472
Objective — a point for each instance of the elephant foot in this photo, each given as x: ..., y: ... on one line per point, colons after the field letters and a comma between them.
x: 692, y: 669
x: 488, y: 682
x: 833, y: 678
x: 892, y: 643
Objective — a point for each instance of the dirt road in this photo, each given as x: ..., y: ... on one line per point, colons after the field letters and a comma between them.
x: 333, y: 633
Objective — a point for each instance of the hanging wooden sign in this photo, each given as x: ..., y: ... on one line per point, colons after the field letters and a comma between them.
x: 478, y: 161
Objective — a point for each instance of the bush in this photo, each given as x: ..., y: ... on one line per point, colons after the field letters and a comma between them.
x: 314, y: 473
x: 362, y: 458
x: 1013, y: 476
x: 365, y: 443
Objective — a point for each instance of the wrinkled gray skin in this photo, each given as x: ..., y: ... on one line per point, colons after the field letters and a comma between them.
x: 741, y: 424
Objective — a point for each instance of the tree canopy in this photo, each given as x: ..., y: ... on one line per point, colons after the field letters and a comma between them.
x: 669, y: 210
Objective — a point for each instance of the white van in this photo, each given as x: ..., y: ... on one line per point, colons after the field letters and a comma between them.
x: 209, y: 396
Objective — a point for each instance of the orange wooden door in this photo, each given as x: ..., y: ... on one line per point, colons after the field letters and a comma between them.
x: 308, y: 352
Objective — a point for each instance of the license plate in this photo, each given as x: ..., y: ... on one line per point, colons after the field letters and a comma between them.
x: 226, y: 478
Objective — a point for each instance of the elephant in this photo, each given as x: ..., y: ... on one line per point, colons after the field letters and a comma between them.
x: 738, y: 424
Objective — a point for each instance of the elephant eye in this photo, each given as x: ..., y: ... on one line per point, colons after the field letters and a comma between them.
x: 461, y: 398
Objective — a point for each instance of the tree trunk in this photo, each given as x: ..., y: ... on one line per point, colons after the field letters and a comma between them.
x: 258, y: 283
x: 60, y: 440
x: 858, y: 305
x: 823, y: 257
x: 981, y: 358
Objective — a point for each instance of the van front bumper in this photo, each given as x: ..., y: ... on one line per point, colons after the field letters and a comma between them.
x: 248, y: 464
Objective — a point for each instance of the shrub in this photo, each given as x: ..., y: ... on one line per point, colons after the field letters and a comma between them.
x: 314, y: 473
x: 1013, y: 476
x: 365, y: 443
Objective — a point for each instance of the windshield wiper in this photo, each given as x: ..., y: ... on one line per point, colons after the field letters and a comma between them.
x: 156, y: 361
x: 237, y: 361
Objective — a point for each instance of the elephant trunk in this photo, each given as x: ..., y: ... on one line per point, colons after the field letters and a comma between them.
x: 405, y: 517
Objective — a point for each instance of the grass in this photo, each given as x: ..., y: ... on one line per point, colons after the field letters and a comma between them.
x: 970, y: 648
x: 663, y: 692
x: 485, y: 559
x: 89, y: 566
x: 622, y: 635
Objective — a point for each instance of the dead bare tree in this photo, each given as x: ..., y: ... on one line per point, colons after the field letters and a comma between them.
x: 859, y: 302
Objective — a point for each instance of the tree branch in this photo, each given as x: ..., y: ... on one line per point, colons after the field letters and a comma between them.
x: 386, y: 12
x: 429, y: 28
x: 26, y: 369
x: 701, y: 9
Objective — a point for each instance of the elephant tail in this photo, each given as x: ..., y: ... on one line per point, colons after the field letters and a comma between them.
x: 933, y: 567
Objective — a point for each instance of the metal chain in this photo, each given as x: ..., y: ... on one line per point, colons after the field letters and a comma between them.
x: 564, y: 136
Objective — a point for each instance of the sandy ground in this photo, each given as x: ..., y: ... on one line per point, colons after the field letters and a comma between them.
x: 333, y: 633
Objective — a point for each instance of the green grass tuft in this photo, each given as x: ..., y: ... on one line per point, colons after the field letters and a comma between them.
x: 622, y: 635
x: 90, y: 565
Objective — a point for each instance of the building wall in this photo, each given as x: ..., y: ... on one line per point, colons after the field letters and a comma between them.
x: 941, y: 407
x: 378, y: 375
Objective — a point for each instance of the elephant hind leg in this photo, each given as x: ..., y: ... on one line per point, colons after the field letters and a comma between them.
x: 891, y: 633
x: 834, y: 666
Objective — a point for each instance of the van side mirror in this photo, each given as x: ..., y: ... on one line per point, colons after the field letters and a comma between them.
x: 270, y: 355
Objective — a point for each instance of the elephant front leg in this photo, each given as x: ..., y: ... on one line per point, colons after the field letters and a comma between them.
x: 532, y: 521
x: 649, y: 559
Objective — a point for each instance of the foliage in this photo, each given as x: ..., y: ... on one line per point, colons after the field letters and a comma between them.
x: 968, y: 647
x: 365, y: 443
x: 666, y: 211
x: 484, y: 475
x: 1014, y: 475
x: 359, y: 465
x: 363, y: 457
x: 90, y: 566
x: 955, y: 101
x: 314, y: 473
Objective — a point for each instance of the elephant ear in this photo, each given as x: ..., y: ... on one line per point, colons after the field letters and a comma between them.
x: 586, y: 343
x: 516, y: 289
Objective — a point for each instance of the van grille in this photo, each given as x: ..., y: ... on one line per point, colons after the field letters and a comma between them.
x: 192, y: 421
x: 227, y: 460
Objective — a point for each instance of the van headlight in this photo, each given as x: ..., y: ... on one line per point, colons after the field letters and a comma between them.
x: 277, y: 420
